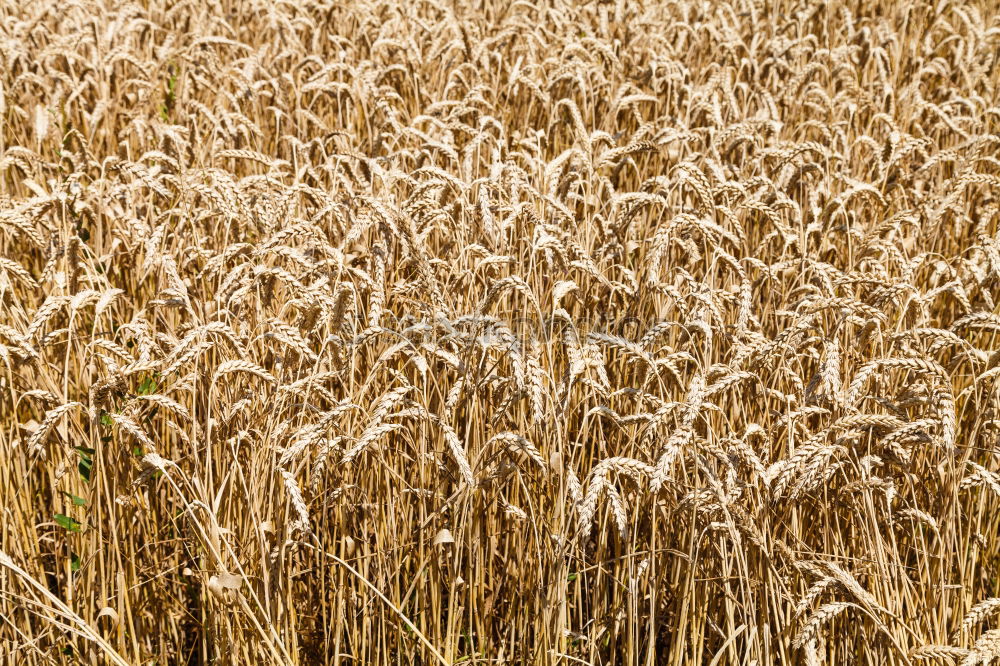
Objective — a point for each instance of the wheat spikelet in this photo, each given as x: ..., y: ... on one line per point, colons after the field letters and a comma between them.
x: 45, y: 313
x: 516, y: 442
x: 818, y: 618
x: 369, y: 437
x: 298, y: 503
x: 945, y: 652
x: 980, y: 612
x: 51, y: 417
x: 664, y: 465
x: 168, y: 404
x: 229, y: 367
x: 11, y: 267
x: 814, y: 593
x: 132, y: 428
x: 458, y: 453
x: 985, y: 649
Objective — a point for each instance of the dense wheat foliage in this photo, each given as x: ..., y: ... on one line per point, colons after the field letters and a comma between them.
x: 490, y: 332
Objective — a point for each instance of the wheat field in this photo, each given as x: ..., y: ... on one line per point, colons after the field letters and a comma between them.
x: 488, y: 332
